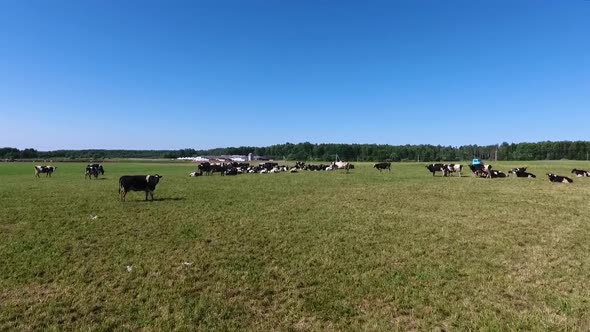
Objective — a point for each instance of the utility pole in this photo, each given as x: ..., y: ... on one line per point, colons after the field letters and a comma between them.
x: 496, y: 155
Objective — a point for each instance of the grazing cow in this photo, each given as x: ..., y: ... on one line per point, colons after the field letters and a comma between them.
x: 145, y: 183
x: 433, y: 168
x: 580, y: 173
x: 558, y: 178
x: 97, y: 166
x: 452, y: 168
x: 521, y: 174
x: 194, y: 174
x: 91, y: 171
x: 382, y: 166
x: 48, y: 170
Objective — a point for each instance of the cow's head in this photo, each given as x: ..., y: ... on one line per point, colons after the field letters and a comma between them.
x: 153, y: 179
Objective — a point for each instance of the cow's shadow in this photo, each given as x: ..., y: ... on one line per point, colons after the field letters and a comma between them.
x: 168, y: 199
x: 138, y: 201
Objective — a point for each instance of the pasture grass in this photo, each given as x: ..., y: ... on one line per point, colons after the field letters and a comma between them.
x: 308, y: 251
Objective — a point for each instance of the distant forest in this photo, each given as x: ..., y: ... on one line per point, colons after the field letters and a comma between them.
x: 578, y: 150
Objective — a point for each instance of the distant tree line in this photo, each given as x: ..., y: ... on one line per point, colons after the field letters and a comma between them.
x: 578, y: 150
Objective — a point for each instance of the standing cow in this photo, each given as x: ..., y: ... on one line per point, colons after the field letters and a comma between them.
x: 98, y: 167
x: 452, y: 168
x: 48, y: 170
x: 433, y: 168
x: 481, y: 170
x: 93, y: 170
x: 90, y: 172
x: 145, y: 183
x: 382, y: 166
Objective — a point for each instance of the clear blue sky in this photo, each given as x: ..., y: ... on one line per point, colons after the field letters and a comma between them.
x: 202, y: 74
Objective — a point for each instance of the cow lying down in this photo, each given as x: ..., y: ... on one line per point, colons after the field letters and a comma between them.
x: 145, y: 183
x: 558, y: 178
x: 497, y: 174
x: 522, y: 173
x: 580, y: 173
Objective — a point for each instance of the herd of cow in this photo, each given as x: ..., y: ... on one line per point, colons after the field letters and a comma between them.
x: 486, y: 171
x: 235, y: 168
x: 147, y: 183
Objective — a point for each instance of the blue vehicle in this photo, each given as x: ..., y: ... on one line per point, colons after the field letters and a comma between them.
x: 476, y: 161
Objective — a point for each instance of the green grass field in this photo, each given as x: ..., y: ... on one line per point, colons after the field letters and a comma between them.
x: 308, y: 251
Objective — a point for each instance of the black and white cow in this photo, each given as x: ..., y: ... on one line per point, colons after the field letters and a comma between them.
x: 558, y: 178
x: 91, y: 171
x: 433, y: 168
x: 219, y: 167
x: 382, y: 166
x: 145, y: 183
x: 231, y: 171
x: 452, y: 168
x: 48, y: 170
x: 521, y: 173
x: 97, y: 166
x: 481, y: 170
x: 195, y: 174
x: 497, y: 174
x: 580, y: 173
x: 269, y: 165
x: 204, y: 168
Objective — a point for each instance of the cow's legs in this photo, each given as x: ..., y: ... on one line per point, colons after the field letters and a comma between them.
x: 122, y: 193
